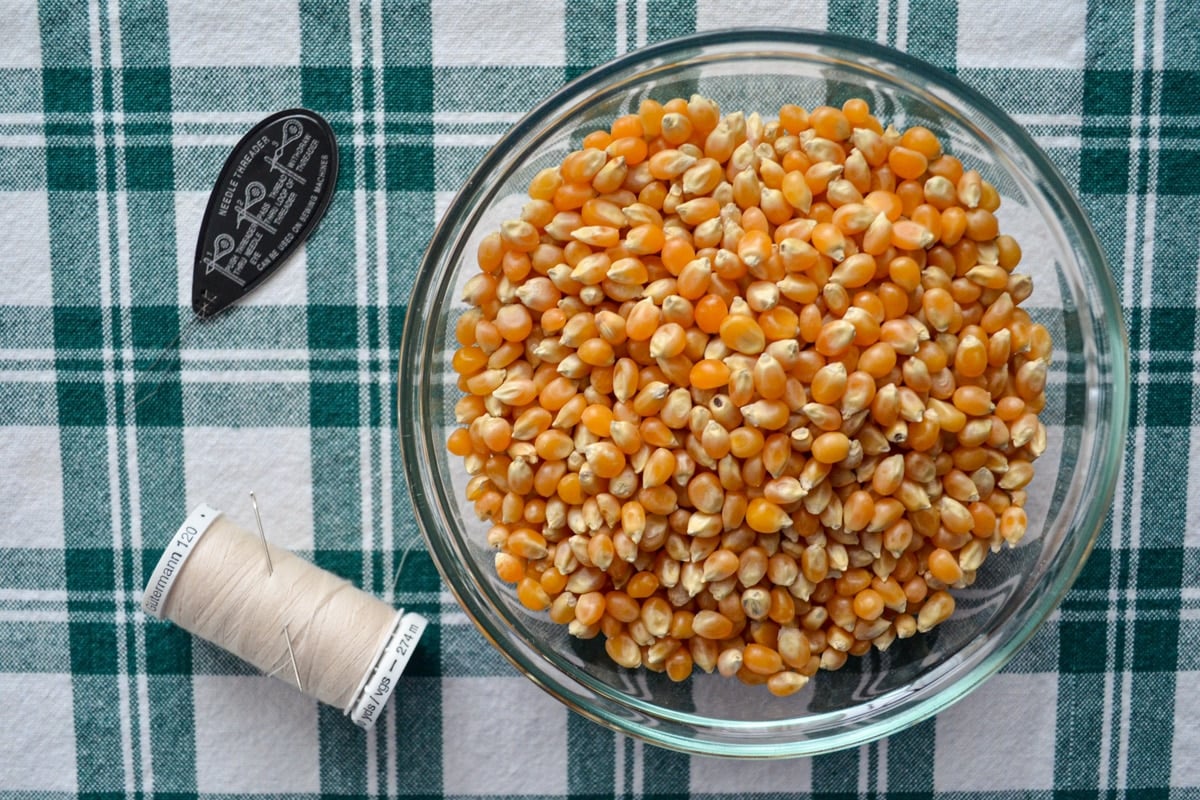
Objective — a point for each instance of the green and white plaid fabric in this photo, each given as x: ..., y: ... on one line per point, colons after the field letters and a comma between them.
x: 114, y: 120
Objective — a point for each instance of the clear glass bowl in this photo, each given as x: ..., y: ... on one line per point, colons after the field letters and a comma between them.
x: 758, y: 70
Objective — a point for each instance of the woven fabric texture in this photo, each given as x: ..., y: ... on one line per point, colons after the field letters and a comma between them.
x: 114, y: 120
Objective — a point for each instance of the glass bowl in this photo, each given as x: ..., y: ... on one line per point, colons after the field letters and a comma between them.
x: 1074, y: 296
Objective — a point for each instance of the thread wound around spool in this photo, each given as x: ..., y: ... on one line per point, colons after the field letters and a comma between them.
x: 378, y: 682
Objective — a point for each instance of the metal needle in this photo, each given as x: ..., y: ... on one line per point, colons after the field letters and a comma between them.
x: 287, y: 637
x: 262, y: 535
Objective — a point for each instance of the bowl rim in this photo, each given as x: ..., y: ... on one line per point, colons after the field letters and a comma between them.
x: 1112, y: 336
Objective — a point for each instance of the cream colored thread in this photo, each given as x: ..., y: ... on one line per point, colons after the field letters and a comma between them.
x: 223, y: 594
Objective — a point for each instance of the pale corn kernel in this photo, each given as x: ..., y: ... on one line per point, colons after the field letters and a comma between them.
x: 841, y: 192
x: 937, y: 609
x: 784, y: 491
x: 756, y: 602
x: 702, y: 177
x: 856, y: 271
x: 729, y: 662
x: 766, y: 414
x: 821, y: 173
x: 820, y: 149
x: 970, y: 188
x: 668, y: 164
x: 835, y: 337
x: 519, y: 234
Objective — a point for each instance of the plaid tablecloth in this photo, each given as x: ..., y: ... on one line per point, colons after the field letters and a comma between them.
x: 115, y: 117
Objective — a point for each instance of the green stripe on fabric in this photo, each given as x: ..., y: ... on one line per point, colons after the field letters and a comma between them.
x: 668, y: 19
x: 1109, y: 35
x: 172, y: 723
x: 406, y: 238
x: 835, y: 775
x: 664, y: 773
x: 144, y: 87
x: 98, y: 761
x: 591, y: 759
x: 494, y: 88
x: 590, y: 35
x: 74, y: 221
x: 33, y: 647
x: 30, y: 568
x: 120, y: 178
x: 1022, y: 90
x: 933, y: 32
x: 1151, y: 729
x: 419, y: 731
x: 852, y: 18
x: 1108, y: 90
x: 23, y: 92
x: 1146, y: 734
x: 910, y: 759
x: 343, y: 754
x: 631, y: 32
x: 333, y: 403
x: 625, y: 780
x: 194, y: 88
x: 1080, y: 714
x: 58, y: 17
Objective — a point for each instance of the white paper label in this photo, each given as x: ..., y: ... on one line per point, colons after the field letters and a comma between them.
x: 154, y: 600
x: 379, y: 685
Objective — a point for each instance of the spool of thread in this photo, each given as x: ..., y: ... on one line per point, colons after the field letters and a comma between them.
x: 284, y: 615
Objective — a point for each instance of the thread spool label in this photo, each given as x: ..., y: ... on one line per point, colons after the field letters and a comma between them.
x: 182, y: 545
x: 379, y: 685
